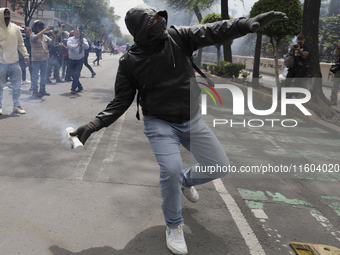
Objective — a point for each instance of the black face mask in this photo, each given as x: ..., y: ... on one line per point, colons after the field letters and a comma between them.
x: 158, y: 31
x: 7, y: 20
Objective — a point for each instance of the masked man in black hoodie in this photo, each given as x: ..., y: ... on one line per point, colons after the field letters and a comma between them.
x: 160, y: 69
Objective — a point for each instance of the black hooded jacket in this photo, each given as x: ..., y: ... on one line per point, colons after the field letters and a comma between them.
x: 162, y: 71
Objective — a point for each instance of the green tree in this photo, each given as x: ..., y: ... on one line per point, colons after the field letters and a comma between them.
x: 28, y: 7
x: 190, y: 5
x: 334, y: 8
x: 125, y: 39
x: 278, y: 30
x: 318, y: 103
x: 100, y: 22
x: 330, y: 34
x: 210, y: 18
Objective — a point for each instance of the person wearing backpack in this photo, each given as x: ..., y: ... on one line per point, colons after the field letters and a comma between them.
x: 160, y: 69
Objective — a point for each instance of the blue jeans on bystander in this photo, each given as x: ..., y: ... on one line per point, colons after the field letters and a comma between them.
x: 14, y: 73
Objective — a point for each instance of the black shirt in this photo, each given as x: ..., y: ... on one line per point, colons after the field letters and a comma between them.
x: 298, y: 60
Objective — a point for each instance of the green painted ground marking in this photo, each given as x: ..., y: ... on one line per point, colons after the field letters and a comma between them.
x: 319, y: 179
x: 330, y: 198
x: 315, y: 212
x: 335, y: 207
x: 316, y: 141
x: 252, y: 195
x: 254, y: 205
x: 336, y: 175
x: 280, y: 198
x: 329, y: 155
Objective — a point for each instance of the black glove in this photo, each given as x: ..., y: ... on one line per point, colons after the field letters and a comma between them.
x: 261, y: 20
x: 84, y: 132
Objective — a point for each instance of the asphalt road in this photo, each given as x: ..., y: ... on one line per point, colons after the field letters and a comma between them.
x: 105, y: 198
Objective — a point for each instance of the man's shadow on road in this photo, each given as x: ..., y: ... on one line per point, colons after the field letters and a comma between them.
x: 152, y: 241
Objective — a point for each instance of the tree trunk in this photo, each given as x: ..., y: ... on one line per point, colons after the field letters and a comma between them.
x: 256, y: 65
x: 200, y: 51
x: 310, y: 28
x: 218, y: 54
x: 276, y: 58
x: 226, y: 46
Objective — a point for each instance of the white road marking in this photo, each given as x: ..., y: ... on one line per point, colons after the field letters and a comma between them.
x: 329, y: 226
x: 259, y: 213
x: 111, y: 151
x: 250, y: 238
x: 87, y: 156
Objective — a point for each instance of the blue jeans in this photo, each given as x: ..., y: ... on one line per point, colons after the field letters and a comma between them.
x: 195, y: 136
x: 36, y: 67
x: 14, y: 72
x: 75, y: 70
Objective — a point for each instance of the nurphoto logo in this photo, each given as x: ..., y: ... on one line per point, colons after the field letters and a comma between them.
x: 238, y: 108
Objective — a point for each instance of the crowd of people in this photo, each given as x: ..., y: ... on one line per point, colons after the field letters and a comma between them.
x: 46, y: 51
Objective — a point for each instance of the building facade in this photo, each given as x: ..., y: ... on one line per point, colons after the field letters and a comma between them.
x: 17, y: 18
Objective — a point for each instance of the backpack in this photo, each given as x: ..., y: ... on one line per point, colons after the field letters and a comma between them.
x: 288, y: 61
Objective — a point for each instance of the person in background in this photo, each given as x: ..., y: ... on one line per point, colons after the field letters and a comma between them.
x: 64, y: 60
x: 56, y: 49
x: 10, y: 42
x: 86, y: 59
x: 40, y: 55
x: 335, y: 88
x: 76, y: 51
x: 68, y: 71
x: 98, y: 52
x: 300, y: 51
x: 22, y: 63
x: 28, y: 32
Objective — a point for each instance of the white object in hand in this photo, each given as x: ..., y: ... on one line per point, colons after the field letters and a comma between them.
x: 74, y: 141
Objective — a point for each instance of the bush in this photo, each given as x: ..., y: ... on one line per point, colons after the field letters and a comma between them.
x: 211, y: 68
x: 245, y: 74
x: 206, y: 66
x: 230, y: 70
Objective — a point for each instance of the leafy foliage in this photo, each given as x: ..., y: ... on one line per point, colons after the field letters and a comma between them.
x: 211, y: 17
x: 225, y: 69
x: 29, y: 7
x: 330, y: 33
x: 279, y: 29
x: 100, y: 21
x: 334, y: 8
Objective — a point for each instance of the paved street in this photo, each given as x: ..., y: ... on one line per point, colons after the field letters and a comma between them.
x: 105, y: 199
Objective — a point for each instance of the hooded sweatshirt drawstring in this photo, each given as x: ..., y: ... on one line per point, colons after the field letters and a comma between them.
x: 172, y: 52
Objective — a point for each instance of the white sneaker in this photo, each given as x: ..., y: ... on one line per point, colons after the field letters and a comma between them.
x: 175, y: 240
x: 0, y: 111
x: 26, y: 82
x: 18, y: 109
x: 191, y: 194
